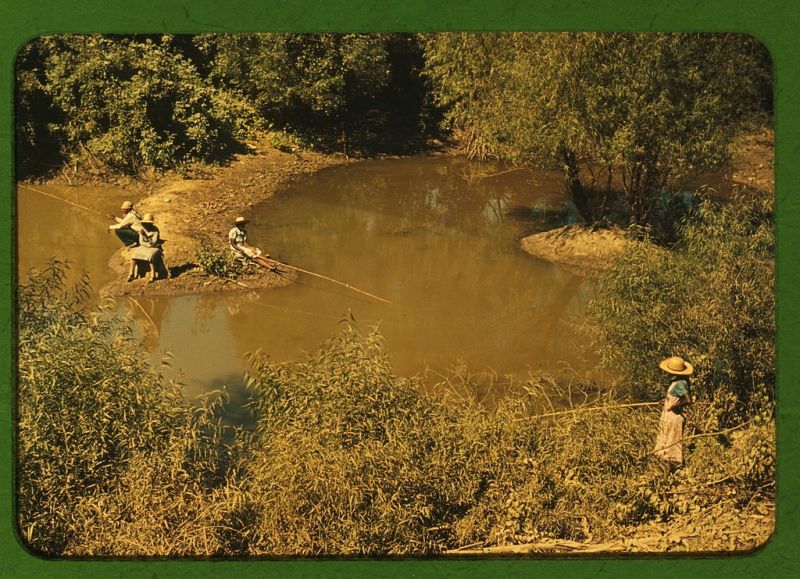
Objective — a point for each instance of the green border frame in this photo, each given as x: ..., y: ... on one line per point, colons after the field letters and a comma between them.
x: 774, y: 22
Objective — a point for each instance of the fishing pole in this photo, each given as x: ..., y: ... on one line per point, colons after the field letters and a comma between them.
x: 325, y: 277
x: 319, y: 275
x: 62, y: 199
x: 164, y: 260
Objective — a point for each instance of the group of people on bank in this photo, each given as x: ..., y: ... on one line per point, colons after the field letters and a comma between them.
x: 140, y: 232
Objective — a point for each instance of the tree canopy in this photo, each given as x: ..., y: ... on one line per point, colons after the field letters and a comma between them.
x: 617, y: 112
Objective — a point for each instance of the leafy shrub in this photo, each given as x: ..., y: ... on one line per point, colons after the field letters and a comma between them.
x: 346, y: 457
x: 105, y: 446
x: 354, y: 460
x: 711, y: 300
x: 131, y: 104
x: 221, y: 263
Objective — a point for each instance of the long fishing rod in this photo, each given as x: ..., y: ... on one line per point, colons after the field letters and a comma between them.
x: 62, y: 199
x: 319, y: 275
x: 325, y: 277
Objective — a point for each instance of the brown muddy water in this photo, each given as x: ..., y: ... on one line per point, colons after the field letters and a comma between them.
x: 435, y: 236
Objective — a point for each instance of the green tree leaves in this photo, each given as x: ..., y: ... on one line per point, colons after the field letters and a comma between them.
x: 131, y: 104
x: 710, y: 300
x: 617, y: 112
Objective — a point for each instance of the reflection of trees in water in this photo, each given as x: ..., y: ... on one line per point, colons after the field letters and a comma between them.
x: 445, y: 249
x: 438, y: 193
x: 206, y: 305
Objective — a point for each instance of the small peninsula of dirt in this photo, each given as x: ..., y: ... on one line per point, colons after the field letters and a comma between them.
x: 580, y: 248
x: 189, y: 209
x: 587, y: 251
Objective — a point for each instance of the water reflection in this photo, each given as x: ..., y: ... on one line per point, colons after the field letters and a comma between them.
x: 438, y: 237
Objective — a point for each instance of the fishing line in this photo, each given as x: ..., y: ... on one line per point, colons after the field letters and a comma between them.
x: 62, y: 199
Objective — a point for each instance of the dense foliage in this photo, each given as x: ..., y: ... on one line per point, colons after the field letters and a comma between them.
x: 711, y: 300
x: 301, y: 80
x: 127, y: 104
x: 130, y: 104
x: 110, y: 456
x: 629, y: 113
x: 345, y: 457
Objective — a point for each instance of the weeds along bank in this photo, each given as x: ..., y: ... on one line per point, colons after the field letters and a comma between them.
x: 348, y: 458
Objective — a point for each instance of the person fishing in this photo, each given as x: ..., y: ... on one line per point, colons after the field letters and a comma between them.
x: 128, y: 226
x: 237, y: 237
x: 672, y: 422
x: 149, y: 249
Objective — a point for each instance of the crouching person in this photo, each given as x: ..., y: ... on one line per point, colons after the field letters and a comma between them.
x: 127, y: 228
x: 237, y: 237
x: 149, y: 251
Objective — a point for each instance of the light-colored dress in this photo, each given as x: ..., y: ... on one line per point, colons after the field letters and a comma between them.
x: 148, y: 248
x: 670, y: 431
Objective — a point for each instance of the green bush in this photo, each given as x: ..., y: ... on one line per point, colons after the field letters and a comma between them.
x: 104, y: 444
x: 130, y: 105
x: 221, y: 263
x: 352, y: 459
x: 711, y: 300
x: 346, y: 458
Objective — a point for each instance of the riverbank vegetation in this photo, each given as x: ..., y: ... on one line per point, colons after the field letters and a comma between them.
x: 624, y: 116
x: 348, y: 458
x: 345, y: 457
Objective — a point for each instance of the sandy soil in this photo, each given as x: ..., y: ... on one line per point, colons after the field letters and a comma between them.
x: 753, y: 162
x: 578, y: 247
x: 188, y: 209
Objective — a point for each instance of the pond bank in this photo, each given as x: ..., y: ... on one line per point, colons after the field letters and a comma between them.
x: 187, y: 210
x: 587, y: 251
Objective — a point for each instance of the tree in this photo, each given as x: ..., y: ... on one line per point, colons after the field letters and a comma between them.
x: 632, y: 113
x: 128, y: 103
x: 300, y: 81
x: 35, y: 114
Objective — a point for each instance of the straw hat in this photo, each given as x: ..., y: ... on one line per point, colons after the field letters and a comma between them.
x: 126, y: 205
x: 677, y: 366
x: 147, y: 218
x: 240, y: 221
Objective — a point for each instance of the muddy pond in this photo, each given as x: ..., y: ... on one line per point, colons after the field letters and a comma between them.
x: 437, y: 237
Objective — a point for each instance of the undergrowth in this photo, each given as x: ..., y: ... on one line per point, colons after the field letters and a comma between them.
x: 346, y: 458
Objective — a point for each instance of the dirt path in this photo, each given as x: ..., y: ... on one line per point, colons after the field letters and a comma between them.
x: 187, y: 210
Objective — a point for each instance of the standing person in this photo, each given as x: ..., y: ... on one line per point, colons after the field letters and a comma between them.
x: 149, y: 250
x: 671, y: 425
x: 128, y: 226
x: 237, y: 237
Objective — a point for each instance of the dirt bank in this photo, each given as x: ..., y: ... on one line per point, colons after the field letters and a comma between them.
x: 189, y: 209
x: 586, y: 251
x: 578, y: 247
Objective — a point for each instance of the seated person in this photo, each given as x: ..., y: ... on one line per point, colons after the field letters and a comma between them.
x: 149, y: 250
x: 237, y: 237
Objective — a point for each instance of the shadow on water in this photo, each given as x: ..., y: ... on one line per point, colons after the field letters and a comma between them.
x: 234, y: 411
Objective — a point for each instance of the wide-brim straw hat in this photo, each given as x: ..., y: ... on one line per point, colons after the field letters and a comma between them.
x: 240, y: 221
x: 677, y: 366
x: 126, y: 205
x: 147, y: 218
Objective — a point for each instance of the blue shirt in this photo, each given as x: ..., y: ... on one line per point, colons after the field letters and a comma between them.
x: 679, y: 388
